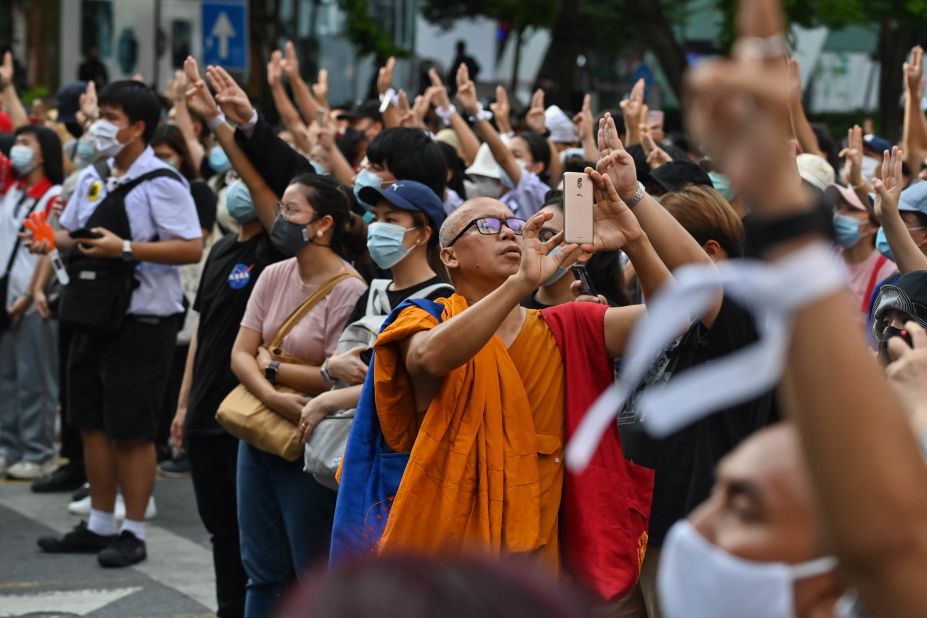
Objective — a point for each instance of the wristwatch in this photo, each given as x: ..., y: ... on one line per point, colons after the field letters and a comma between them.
x: 329, y: 381
x: 271, y: 371
x: 638, y: 196
x: 127, y: 250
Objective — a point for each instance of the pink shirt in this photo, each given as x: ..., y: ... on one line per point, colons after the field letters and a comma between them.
x: 865, y: 276
x: 280, y: 290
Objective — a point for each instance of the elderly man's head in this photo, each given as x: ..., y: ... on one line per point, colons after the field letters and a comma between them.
x: 481, y: 245
x: 752, y: 548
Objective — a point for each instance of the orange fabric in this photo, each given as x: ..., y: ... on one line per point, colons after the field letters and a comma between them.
x: 485, y: 469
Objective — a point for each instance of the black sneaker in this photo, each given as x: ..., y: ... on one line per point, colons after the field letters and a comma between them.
x: 176, y: 468
x: 126, y: 550
x: 80, y: 540
x: 65, y: 478
x: 82, y: 492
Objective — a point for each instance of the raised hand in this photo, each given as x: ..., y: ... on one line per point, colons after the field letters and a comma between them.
x: 466, y: 91
x: 275, y: 68
x: 614, y: 224
x: 437, y: 92
x: 180, y: 86
x: 199, y: 100
x: 853, y: 153
x: 290, y: 64
x: 584, y: 121
x: 385, y: 76
x: 632, y: 108
x: 888, y: 190
x: 501, y: 109
x: 914, y: 72
x: 535, y: 116
x: 420, y: 109
x: 537, y: 265
x: 320, y: 88
x: 794, y: 78
x: 231, y: 98
x: 656, y: 156
x: 89, y: 111
x: 615, y: 160
x: 6, y: 70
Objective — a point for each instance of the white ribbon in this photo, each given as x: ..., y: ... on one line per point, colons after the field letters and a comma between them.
x: 771, y: 292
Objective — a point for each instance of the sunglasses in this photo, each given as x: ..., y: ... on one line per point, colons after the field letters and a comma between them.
x: 491, y: 226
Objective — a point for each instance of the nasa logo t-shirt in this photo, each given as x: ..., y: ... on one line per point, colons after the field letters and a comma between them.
x: 240, y: 276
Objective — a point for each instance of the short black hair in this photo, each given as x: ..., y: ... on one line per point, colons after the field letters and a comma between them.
x: 52, y: 156
x: 410, y: 154
x: 137, y: 102
x: 456, y: 166
x: 170, y: 136
x: 540, y: 151
x: 349, y: 235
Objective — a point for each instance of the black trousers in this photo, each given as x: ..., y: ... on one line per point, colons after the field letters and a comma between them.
x: 213, y: 462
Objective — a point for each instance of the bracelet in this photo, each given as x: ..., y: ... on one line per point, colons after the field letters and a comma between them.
x: 761, y: 48
x: 637, y: 197
x: 250, y: 124
x: 445, y: 113
x: 388, y: 98
x: 327, y: 377
x: 481, y: 114
x: 215, y: 121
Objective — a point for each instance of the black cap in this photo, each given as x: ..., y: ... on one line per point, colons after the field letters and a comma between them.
x: 365, y: 109
x: 6, y: 142
x: 68, y: 98
x: 675, y: 175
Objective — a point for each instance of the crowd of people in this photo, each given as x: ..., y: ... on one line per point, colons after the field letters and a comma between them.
x: 363, y: 334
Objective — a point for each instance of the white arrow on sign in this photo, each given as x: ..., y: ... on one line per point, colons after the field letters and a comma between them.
x: 80, y: 602
x: 223, y: 31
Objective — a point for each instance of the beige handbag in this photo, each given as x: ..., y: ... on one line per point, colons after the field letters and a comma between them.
x: 246, y: 417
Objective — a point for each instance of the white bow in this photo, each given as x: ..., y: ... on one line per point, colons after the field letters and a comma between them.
x: 771, y: 292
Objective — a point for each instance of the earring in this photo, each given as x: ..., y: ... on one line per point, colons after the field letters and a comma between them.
x: 319, y: 234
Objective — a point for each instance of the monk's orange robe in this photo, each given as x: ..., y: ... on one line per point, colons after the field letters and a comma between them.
x: 486, y: 465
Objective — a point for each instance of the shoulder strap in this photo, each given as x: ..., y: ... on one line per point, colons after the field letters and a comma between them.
x: 873, y: 280
x: 102, y: 169
x: 22, y: 227
x: 300, y: 312
x: 158, y: 173
x: 426, y: 292
x: 377, y: 298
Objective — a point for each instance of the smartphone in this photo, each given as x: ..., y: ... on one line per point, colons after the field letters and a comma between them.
x: 577, y: 207
x: 84, y: 232
x: 586, y: 287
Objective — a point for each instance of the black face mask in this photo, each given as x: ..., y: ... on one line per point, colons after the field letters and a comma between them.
x: 887, y: 334
x: 289, y: 237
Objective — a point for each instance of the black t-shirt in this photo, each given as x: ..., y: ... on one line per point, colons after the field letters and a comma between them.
x: 397, y: 296
x: 685, y: 461
x: 228, y: 277
x: 205, y: 201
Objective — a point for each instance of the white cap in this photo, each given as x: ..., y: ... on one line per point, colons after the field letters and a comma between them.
x: 815, y: 170
x: 484, y: 164
x: 560, y: 125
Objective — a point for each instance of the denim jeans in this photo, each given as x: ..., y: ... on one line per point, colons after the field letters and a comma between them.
x: 285, y: 521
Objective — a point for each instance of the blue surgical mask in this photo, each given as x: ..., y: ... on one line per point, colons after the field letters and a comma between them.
x: 219, y: 161
x: 561, y: 270
x: 384, y: 242
x: 883, y: 246
x: 86, y: 152
x: 318, y: 167
x: 170, y: 163
x: 21, y: 156
x: 847, y: 230
x: 238, y: 203
x: 366, y: 178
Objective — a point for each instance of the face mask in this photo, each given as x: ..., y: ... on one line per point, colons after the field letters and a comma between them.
x: 238, y: 203
x: 366, y: 178
x: 289, y: 237
x: 561, y: 270
x: 86, y: 151
x: 869, y: 167
x: 883, y: 246
x: 698, y: 579
x: 318, y: 167
x: 170, y: 163
x: 384, y: 242
x: 219, y: 161
x: 21, y: 157
x: 487, y: 187
x: 104, y: 138
x: 847, y: 229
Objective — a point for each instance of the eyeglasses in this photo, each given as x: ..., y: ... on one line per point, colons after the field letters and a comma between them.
x: 490, y: 226
x: 288, y: 210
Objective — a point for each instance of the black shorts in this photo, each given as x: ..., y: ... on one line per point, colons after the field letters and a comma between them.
x: 116, y: 383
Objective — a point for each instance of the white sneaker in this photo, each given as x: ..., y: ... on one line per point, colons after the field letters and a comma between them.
x: 82, y: 508
x: 30, y: 470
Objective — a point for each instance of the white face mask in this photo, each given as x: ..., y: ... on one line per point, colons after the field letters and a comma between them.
x: 869, y: 167
x: 104, y: 138
x: 483, y: 186
x: 698, y: 580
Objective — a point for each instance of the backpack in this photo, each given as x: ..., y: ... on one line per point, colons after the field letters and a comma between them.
x: 99, y: 294
x: 326, y: 446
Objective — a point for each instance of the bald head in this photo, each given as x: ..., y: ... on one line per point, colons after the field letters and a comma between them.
x: 467, y: 212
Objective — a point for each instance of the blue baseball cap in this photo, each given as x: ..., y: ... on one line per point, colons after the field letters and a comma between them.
x: 408, y: 195
x: 914, y: 198
x: 877, y: 143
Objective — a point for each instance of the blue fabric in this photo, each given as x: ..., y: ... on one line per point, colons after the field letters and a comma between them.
x: 370, y: 471
x: 284, y: 519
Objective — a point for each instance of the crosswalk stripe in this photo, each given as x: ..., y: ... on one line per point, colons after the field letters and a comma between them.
x: 79, y: 602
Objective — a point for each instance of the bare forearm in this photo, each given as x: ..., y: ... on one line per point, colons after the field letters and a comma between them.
x: 908, y: 256
x: 469, y: 142
x: 285, y: 108
x: 675, y: 246
x: 185, y: 123
x: 262, y: 195
x: 340, y: 168
x: 914, y: 139
x: 803, y: 131
x: 308, y: 106
x: 14, y: 107
x: 169, y: 251
x: 303, y: 378
x: 500, y: 152
x: 555, y: 170
x: 455, y: 341
x: 186, y: 383
x: 652, y: 273
x: 590, y: 149
x: 246, y: 369
x: 42, y: 274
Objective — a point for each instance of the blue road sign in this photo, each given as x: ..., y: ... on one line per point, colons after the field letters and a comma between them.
x: 225, y: 34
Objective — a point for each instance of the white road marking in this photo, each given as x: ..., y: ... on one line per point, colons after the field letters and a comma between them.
x: 80, y: 602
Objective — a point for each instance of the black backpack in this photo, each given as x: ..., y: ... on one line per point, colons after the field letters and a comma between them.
x: 100, y: 291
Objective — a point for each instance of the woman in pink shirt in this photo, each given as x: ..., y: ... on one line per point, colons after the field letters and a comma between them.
x: 284, y: 514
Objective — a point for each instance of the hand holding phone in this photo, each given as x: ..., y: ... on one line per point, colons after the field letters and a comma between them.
x: 586, y: 287
x: 84, y: 233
